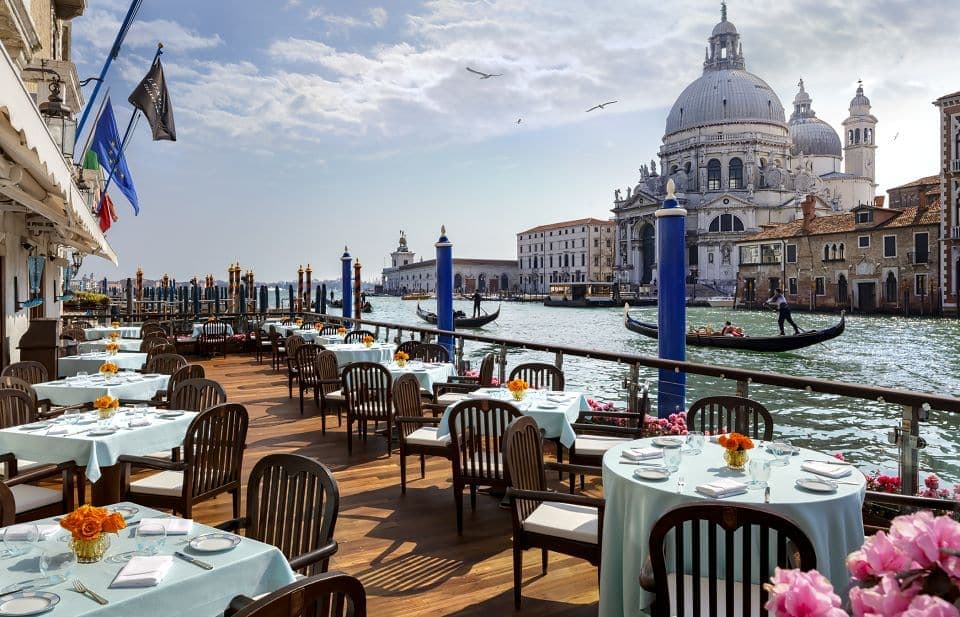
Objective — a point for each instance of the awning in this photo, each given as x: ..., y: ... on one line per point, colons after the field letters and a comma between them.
x: 34, y: 174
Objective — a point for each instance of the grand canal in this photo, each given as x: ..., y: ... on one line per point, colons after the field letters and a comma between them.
x: 919, y: 354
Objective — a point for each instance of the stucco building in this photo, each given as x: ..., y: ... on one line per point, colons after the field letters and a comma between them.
x: 407, y: 275
x: 950, y: 198
x: 566, y: 252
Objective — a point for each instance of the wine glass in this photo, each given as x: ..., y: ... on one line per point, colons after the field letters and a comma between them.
x: 759, y: 468
x: 671, y: 459
x: 72, y: 415
x: 151, y: 536
x: 56, y: 562
x: 782, y: 451
x: 695, y: 441
x: 20, y: 539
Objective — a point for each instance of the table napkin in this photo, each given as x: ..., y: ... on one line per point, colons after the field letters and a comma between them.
x: 830, y: 470
x: 174, y: 526
x: 722, y: 487
x: 639, y: 454
x: 143, y: 571
x: 64, y: 430
x: 19, y: 532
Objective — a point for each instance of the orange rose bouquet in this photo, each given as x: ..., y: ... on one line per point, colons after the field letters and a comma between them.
x: 109, y: 368
x: 735, y: 446
x: 87, y: 525
x: 113, y: 336
x: 518, y: 387
x: 341, y: 330
x: 106, y: 406
x: 112, y: 348
x: 114, y: 324
x: 401, y: 358
x: 367, y: 340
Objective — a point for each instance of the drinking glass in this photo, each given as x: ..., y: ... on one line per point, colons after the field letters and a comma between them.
x: 82, y: 376
x: 150, y: 538
x: 72, y: 416
x: 20, y: 539
x: 671, y: 459
x: 759, y: 468
x: 782, y: 452
x: 56, y: 562
x: 695, y: 440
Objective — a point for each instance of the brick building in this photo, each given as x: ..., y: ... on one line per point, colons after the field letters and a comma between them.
x: 869, y: 259
x: 950, y: 198
x: 920, y: 192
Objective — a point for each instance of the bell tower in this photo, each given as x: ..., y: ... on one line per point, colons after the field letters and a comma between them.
x: 860, y: 140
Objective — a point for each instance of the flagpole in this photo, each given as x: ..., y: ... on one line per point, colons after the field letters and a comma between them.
x: 90, y: 136
x: 114, y: 52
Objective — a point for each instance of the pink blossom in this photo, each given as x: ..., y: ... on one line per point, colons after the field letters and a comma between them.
x: 802, y: 594
x: 839, y: 456
x: 878, y: 556
x: 922, y: 536
x: 886, y: 599
x: 932, y: 481
x: 930, y: 606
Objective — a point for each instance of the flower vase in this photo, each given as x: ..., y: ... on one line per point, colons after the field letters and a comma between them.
x: 90, y: 551
x: 735, y: 459
x: 518, y: 394
x: 106, y: 414
x: 401, y: 363
x: 368, y: 345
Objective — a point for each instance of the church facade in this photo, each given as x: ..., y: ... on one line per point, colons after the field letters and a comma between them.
x: 738, y: 165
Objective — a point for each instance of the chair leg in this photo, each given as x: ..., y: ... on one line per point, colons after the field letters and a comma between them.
x: 473, y: 497
x: 301, y: 400
x: 350, y: 435
x: 403, y: 472
x: 290, y: 384
x: 517, y: 573
x: 423, y: 467
x: 236, y: 508
x: 543, y: 559
x: 458, y: 498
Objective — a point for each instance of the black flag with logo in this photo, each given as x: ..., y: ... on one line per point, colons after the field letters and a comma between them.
x: 151, y: 97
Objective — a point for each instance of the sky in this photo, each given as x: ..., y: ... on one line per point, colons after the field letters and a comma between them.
x: 306, y: 126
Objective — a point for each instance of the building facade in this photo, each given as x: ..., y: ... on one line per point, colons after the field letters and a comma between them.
x: 920, y: 192
x: 738, y: 165
x: 45, y: 205
x: 407, y: 275
x: 950, y: 198
x: 566, y: 252
x: 869, y: 260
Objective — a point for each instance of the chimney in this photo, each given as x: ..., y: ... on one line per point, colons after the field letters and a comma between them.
x: 807, y: 207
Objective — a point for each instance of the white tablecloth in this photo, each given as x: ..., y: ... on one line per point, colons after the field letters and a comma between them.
x: 358, y: 352
x: 126, y: 386
x: 102, y: 332
x: 426, y: 374
x: 198, y: 330
x: 94, y: 452
x: 68, y: 366
x: 832, y: 521
x: 100, y: 345
x: 251, y: 568
x: 554, y: 412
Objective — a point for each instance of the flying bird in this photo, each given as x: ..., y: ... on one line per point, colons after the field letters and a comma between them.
x: 601, y: 106
x: 484, y: 75
x: 519, y: 120
x: 895, y: 136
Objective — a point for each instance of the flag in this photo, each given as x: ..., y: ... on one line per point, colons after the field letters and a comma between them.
x: 151, y: 97
x: 106, y: 214
x: 106, y: 143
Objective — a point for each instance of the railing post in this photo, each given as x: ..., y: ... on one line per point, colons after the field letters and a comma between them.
x: 458, y: 355
x: 910, y: 444
x: 503, y: 363
x: 559, y: 360
x: 633, y: 388
x: 743, y: 389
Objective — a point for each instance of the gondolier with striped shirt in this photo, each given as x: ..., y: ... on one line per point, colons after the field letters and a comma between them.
x: 783, y: 308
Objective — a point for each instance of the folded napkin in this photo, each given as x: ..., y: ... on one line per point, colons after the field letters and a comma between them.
x: 18, y: 533
x: 830, y: 470
x: 722, y: 487
x: 639, y: 454
x: 64, y: 430
x: 143, y: 571
x: 134, y: 422
x: 173, y: 526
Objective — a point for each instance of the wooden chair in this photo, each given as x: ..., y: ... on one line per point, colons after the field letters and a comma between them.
x: 212, y: 460
x: 261, y: 344
x: 305, y: 363
x: 302, y: 528
x: 165, y: 364
x: 328, y: 330
x: 213, y: 338
x: 568, y: 524
x: 189, y: 371
x: 408, y: 347
x: 198, y: 394
x: 418, y: 434
x: 539, y: 375
x: 721, y: 414
x: 8, y: 506
x: 30, y: 371
x: 879, y: 509
x: 43, y: 406
x: 333, y: 594
x: 149, y: 327
x: 330, y: 387
x: 699, y: 584
x: 356, y: 336
x: 147, y: 344
x: 75, y: 333
x: 158, y: 333
x: 277, y: 348
x: 161, y: 349
x: 476, y: 435
x: 455, y: 389
x: 367, y: 389
x: 293, y: 343
x: 431, y: 352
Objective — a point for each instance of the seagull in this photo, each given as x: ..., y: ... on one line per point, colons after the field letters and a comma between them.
x: 601, y: 106
x: 519, y: 120
x: 895, y: 136
x: 484, y: 75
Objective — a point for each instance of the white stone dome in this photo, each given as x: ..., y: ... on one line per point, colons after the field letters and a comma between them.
x: 723, y: 96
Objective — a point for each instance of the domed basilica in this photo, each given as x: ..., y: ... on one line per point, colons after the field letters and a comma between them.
x: 738, y: 164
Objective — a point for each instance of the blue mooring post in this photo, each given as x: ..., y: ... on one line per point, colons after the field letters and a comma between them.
x: 445, y: 288
x: 347, y: 283
x: 672, y: 302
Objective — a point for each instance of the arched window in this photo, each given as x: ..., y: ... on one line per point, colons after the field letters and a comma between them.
x: 833, y: 251
x: 687, y: 166
x: 674, y: 169
x: 713, y: 175
x: 726, y: 222
x: 826, y: 252
x: 841, y: 250
x: 890, y: 288
x: 736, y: 173
x: 866, y: 136
x: 850, y: 136
x: 856, y: 136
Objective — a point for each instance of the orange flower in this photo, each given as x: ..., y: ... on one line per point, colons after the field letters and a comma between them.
x: 88, y: 522
x: 401, y: 355
x: 113, y: 523
x: 735, y: 441
x: 109, y: 367
x: 106, y: 402
x: 517, y: 385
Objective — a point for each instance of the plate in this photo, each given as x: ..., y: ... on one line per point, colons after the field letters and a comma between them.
x: 101, y: 432
x: 668, y: 442
x: 547, y: 406
x: 35, y: 427
x: 817, y: 485
x: 170, y: 415
x: 651, y: 473
x: 125, y: 511
x: 214, y: 542
x: 28, y: 603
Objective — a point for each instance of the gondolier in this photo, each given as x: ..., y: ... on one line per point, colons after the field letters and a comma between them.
x: 783, y: 307
x: 477, y: 298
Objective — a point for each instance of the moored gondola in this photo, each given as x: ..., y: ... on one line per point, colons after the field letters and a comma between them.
x: 460, y: 322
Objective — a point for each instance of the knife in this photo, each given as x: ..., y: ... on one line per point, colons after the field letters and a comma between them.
x: 196, y: 562
x: 18, y: 589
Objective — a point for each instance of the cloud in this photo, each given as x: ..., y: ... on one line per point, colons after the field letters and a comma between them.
x: 376, y: 18
x: 98, y: 28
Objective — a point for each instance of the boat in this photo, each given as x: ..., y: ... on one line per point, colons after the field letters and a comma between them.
x: 458, y: 321
x: 593, y: 294
x: 335, y: 303
x: 367, y: 307
x: 749, y: 343
x: 418, y: 295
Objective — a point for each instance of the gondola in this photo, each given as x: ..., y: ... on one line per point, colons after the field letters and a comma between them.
x: 367, y: 307
x: 750, y: 343
x: 460, y: 322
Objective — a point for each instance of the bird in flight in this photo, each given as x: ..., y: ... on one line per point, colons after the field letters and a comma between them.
x: 519, y: 120
x: 895, y: 136
x: 484, y: 75
x: 601, y: 106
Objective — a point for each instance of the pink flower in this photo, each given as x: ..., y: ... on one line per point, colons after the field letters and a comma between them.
x: 802, y: 594
x: 885, y: 599
x: 932, y: 481
x: 930, y: 606
x: 878, y: 556
x: 839, y: 456
x: 922, y: 537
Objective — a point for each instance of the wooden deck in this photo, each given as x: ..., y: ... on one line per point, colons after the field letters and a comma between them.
x: 404, y: 549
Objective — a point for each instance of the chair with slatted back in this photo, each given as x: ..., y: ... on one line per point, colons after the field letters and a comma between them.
x: 722, y: 414
x: 476, y: 429
x: 212, y: 461
x: 292, y: 503
x: 277, y: 348
x: 418, y: 434
x: 356, y: 336
x: 568, y: 524
x: 456, y: 388
x: 165, y: 364
x: 367, y: 389
x: 159, y: 350
x: 43, y: 406
x: 189, y: 371
x: 154, y: 341
x: 75, y: 333
x: 213, y: 338
x: 701, y: 581
x: 305, y: 363
x: 408, y: 347
x: 332, y: 398
x: 155, y: 333
x: 539, y: 375
x: 261, y: 343
x: 333, y: 594
x: 198, y: 394
x: 294, y: 342
x: 329, y: 330
x: 431, y: 352
x: 30, y: 371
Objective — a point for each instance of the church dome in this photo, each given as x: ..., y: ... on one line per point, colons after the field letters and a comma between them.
x: 725, y: 96
x: 859, y: 104
x: 724, y: 27
x: 810, y: 134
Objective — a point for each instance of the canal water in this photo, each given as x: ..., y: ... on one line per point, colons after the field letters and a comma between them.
x: 918, y: 354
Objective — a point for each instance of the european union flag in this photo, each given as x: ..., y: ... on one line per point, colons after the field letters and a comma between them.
x: 106, y: 143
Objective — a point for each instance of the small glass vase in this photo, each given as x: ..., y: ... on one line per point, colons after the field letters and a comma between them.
x: 106, y: 413
x: 736, y: 459
x: 90, y: 551
x: 518, y: 394
x: 401, y: 363
x: 368, y: 345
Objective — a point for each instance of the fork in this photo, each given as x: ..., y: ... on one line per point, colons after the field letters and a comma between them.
x: 81, y: 588
x: 681, y: 482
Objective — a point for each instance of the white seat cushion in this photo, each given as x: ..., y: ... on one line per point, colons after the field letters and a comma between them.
x: 688, y: 583
x: 449, y: 398
x: 426, y: 436
x: 29, y: 497
x: 597, y: 445
x: 335, y: 396
x: 564, y: 520
x: 167, y: 483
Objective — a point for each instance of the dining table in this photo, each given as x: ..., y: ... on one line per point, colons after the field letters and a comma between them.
x: 198, y: 329
x: 347, y: 353
x: 427, y: 373
x: 86, y: 389
x: 99, y: 332
x: 90, y: 362
x: 97, y: 445
x: 250, y: 568
x: 101, y: 345
x: 832, y: 520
